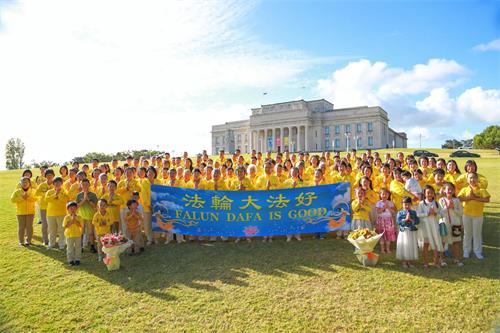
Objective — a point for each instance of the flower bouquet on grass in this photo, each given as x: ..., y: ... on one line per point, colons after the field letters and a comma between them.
x: 365, y: 240
x: 113, y: 245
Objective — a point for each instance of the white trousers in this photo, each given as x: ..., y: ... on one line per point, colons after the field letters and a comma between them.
x: 56, y: 230
x: 473, y: 234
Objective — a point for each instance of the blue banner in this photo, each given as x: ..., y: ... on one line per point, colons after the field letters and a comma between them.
x: 251, y: 213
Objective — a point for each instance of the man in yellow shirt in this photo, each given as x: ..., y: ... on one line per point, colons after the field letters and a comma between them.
x: 125, y: 189
x: 40, y: 193
x: 114, y: 202
x: 473, y: 197
x: 56, y: 199
x: 73, y: 229
x: 397, y: 189
x: 268, y: 181
x: 242, y: 183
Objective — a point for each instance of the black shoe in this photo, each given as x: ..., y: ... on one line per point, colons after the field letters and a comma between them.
x: 39, y: 222
x: 72, y: 263
x: 93, y: 249
x: 77, y: 263
x: 141, y: 249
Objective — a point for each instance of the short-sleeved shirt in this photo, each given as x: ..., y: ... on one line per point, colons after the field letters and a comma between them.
x: 86, y: 211
x: 74, y: 230
x: 473, y: 207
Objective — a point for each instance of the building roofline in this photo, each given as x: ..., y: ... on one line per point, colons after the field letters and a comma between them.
x: 300, y: 100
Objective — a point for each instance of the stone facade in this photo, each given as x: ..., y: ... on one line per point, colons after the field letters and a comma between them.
x: 308, y: 126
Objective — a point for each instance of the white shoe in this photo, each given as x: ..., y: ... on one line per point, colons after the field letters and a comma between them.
x: 466, y: 255
x: 460, y: 264
x: 479, y: 256
x: 288, y: 239
x: 149, y: 243
x: 167, y: 242
x: 237, y: 240
x: 298, y: 238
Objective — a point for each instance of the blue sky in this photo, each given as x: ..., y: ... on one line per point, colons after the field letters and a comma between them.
x: 433, y: 66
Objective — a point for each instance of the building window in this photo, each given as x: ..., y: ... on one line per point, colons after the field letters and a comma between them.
x: 337, y: 129
x: 337, y: 143
x: 246, y: 137
x: 315, y: 133
x: 370, y: 141
x: 370, y: 127
x: 327, y: 143
x: 316, y: 147
x: 327, y: 130
x: 359, y: 142
x: 348, y: 128
x: 217, y: 141
x: 358, y: 128
x: 239, y: 138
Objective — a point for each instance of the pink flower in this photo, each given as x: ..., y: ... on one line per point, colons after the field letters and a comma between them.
x: 251, y: 230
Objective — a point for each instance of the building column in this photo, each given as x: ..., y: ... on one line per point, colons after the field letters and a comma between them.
x: 299, y: 139
x: 306, y: 139
x: 281, y: 139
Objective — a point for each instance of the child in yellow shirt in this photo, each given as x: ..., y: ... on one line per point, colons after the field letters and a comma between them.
x: 73, y: 229
x: 134, y: 220
x: 360, y: 211
x: 102, y: 222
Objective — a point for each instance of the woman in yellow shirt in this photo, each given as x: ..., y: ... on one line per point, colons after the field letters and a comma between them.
x: 40, y: 193
x: 24, y: 198
x: 473, y: 197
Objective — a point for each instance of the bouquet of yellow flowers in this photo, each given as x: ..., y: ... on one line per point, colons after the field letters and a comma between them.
x: 365, y: 240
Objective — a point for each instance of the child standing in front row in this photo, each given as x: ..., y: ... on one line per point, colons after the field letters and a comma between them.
x: 407, y: 246
x: 451, y: 212
x: 428, y: 213
x: 360, y: 211
x: 385, y: 220
x: 133, y: 219
x: 73, y: 229
x: 473, y: 197
x: 102, y: 222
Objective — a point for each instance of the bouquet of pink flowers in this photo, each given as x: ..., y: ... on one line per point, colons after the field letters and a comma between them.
x: 113, y: 245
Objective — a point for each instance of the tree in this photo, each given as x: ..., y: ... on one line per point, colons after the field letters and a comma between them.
x: 451, y: 144
x: 488, y: 139
x: 14, y: 154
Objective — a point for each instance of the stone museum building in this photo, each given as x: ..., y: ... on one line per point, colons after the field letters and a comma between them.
x: 308, y: 126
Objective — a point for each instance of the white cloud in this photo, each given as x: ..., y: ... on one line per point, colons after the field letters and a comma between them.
x: 494, y: 45
x: 466, y: 135
x: 366, y: 83
x: 79, y: 76
x: 480, y: 104
x: 418, y: 100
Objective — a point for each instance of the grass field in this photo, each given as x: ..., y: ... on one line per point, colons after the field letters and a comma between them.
x: 291, y: 287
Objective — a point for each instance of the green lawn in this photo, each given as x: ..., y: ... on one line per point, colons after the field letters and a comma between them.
x: 293, y: 287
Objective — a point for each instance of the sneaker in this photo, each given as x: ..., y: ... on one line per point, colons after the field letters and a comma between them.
x: 27, y: 244
x: 21, y: 244
x: 298, y: 238
x: 141, y: 249
x: 99, y: 258
x: 237, y: 240
x: 288, y: 239
x: 77, y: 262
x: 72, y: 263
x: 167, y: 242
x: 151, y: 243
x: 460, y: 264
x: 479, y: 256
x: 443, y: 264
x: 39, y: 222
x: 466, y: 255
x: 93, y: 249
x: 61, y: 247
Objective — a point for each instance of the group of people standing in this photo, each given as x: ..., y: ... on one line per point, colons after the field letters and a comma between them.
x: 426, y: 201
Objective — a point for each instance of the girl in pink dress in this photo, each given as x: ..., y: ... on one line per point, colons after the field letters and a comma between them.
x: 385, y: 220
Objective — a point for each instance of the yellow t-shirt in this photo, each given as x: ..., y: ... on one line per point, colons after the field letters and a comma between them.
x: 289, y: 183
x: 24, y: 206
x: 360, y: 211
x: 221, y: 185
x: 473, y: 208
x: 126, y: 193
x: 102, y: 223
x: 262, y: 182
x: 398, y: 191
x: 74, y: 230
x: 247, y: 184
x: 40, y: 193
x: 114, y: 205
x: 73, y: 191
x: 56, y: 203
